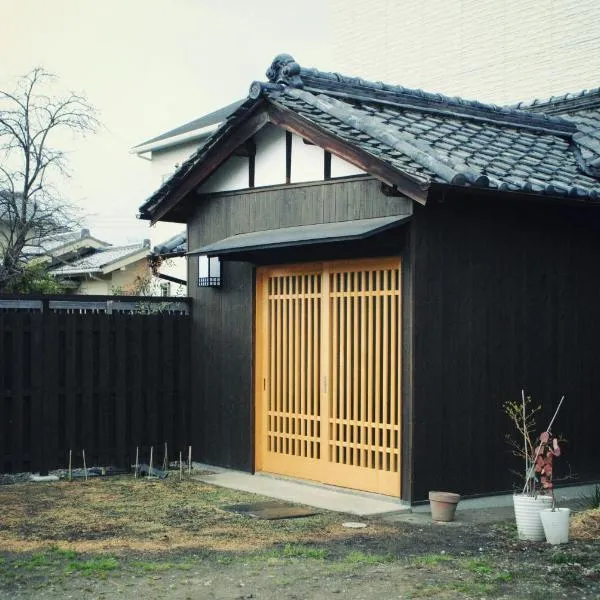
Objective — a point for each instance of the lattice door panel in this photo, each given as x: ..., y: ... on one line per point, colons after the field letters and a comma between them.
x: 328, y: 373
x: 364, y: 400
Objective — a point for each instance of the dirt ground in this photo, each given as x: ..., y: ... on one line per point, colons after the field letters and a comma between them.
x: 124, y: 538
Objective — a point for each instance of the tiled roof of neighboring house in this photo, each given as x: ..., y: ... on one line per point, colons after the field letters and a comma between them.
x: 102, y: 260
x: 53, y: 244
x: 175, y: 246
x: 197, y: 125
x: 429, y: 138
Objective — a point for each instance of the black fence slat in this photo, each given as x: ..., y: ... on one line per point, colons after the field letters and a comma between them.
x: 105, y: 407
x: 72, y: 387
x: 167, y: 359
x: 120, y: 391
x: 16, y: 421
x: 135, y: 354
x: 104, y: 382
x: 36, y: 439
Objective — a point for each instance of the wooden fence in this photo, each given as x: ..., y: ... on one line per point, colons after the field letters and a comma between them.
x: 93, y: 379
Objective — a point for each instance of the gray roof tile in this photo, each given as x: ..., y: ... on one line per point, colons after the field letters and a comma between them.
x: 437, y: 138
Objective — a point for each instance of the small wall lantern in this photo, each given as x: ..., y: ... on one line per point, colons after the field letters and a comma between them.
x: 209, y: 271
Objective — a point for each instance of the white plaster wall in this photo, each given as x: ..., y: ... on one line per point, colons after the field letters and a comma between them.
x: 341, y: 168
x: 164, y: 162
x: 270, y: 156
x: 307, y: 161
x: 307, y: 164
x: 231, y: 175
x: 91, y: 287
x: 493, y: 50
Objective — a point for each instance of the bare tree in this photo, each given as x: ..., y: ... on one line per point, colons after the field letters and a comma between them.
x: 31, y: 208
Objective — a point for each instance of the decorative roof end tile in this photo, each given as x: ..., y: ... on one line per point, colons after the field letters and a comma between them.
x: 284, y: 69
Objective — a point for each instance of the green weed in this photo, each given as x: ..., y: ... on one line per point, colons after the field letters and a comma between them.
x: 361, y: 558
x: 431, y: 560
x: 296, y: 551
x: 94, y: 565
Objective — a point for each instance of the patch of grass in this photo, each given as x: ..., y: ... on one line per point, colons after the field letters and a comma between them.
x: 431, y: 560
x: 479, y: 566
x: 561, y: 558
x: 297, y: 551
x: 35, y: 561
x: 473, y: 588
x: 94, y: 565
x: 151, y: 567
x: 291, y: 551
x: 63, y: 553
x: 361, y: 558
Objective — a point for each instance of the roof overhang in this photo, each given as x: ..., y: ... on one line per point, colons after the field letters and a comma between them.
x: 189, y: 136
x: 263, y: 112
x: 302, y: 235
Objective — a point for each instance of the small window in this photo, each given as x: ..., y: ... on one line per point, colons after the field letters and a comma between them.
x: 209, y: 271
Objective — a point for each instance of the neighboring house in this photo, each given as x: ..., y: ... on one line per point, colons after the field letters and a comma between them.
x: 376, y: 270
x: 493, y: 51
x: 169, y: 150
x: 169, y: 265
x: 166, y: 153
x: 109, y: 270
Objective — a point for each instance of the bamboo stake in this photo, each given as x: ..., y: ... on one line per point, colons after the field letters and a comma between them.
x: 166, y: 459
x: 151, y: 453
x: 525, y: 438
x: 70, y: 463
x: 190, y: 461
x: 84, y: 466
x: 180, y: 466
x: 537, y: 451
x: 137, y: 461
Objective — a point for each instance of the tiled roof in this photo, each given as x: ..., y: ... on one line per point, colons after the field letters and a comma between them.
x: 98, y: 261
x: 53, y: 244
x: 431, y: 138
x: 582, y: 109
x: 174, y: 246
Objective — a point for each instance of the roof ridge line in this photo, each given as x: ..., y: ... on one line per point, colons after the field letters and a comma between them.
x: 582, y: 97
x: 286, y: 71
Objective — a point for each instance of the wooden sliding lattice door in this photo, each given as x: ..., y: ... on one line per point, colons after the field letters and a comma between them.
x: 328, y: 373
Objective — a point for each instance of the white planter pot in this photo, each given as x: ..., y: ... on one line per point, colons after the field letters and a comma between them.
x: 556, y: 524
x: 527, y: 515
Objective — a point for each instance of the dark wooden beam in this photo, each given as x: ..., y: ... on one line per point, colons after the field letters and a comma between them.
x: 251, y: 170
x: 363, y: 160
x: 326, y: 165
x: 288, y: 157
x: 237, y: 135
x: 170, y: 278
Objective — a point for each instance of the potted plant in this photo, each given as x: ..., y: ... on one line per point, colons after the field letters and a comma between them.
x: 537, y: 492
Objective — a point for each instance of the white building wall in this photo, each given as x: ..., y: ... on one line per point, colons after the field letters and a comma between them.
x: 270, y: 156
x: 231, y: 175
x: 493, y: 50
x: 165, y: 162
x: 307, y: 164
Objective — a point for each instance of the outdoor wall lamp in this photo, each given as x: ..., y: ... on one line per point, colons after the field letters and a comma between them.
x: 209, y: 271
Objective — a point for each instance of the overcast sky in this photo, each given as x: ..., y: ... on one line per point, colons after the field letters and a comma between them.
x: 149, y: 66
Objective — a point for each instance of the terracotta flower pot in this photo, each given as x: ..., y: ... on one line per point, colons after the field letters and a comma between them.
x: 443, y: 505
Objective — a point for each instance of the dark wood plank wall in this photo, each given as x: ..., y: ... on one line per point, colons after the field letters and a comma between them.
x: 103, y: 383
x: 223, y: 318
x: 505, y: 297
